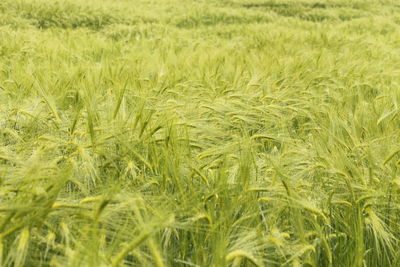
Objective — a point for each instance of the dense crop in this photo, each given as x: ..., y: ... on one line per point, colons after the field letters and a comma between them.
x: 199, y: 133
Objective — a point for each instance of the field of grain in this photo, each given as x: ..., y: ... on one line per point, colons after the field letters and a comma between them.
x: 199, y: 133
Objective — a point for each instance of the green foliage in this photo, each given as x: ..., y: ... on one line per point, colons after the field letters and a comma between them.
x: 199, y: 133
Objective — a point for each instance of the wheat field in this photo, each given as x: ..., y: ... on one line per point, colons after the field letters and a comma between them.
x: 199, y: 133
